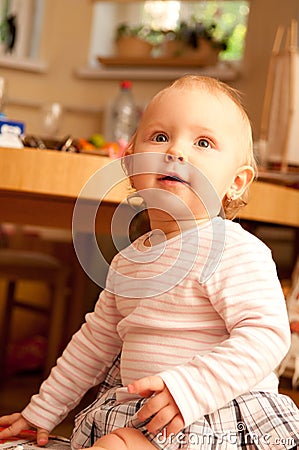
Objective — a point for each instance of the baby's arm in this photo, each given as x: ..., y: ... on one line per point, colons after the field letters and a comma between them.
x: 83, y: 365
x: 15, y: 423
x: 246, y: 294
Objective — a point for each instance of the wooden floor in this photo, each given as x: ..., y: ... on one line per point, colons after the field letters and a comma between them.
x: 16, y: 392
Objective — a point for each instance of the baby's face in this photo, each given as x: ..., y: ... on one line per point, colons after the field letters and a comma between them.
x: 192, y: 136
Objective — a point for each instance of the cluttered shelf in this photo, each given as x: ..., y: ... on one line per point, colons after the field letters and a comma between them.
x: 40, y: 187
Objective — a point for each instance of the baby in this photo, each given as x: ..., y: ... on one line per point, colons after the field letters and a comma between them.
x: 192, y: 322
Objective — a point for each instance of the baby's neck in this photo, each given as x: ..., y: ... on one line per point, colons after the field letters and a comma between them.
x: 171, y: 228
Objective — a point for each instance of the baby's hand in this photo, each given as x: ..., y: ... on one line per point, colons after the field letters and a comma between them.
x: 15, y: 424
x: 161, y: 406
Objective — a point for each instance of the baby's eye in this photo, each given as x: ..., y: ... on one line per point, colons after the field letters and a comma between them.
x: 204, y: 143
x: 160, y: 137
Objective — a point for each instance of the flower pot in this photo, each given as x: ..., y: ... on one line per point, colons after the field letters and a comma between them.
x: 205, y: 54
x: 133, y: 46
x: 172, y: 48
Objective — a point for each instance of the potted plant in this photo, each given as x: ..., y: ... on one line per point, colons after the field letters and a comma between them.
x: 8, y: 29
x: 196, y: 41
x: 132, y: 41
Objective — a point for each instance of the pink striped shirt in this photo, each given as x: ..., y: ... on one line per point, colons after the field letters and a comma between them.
x: 204, y: 310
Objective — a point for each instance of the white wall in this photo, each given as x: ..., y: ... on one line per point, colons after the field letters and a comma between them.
x: 65, y: 46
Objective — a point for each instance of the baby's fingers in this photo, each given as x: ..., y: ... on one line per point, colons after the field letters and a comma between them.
x: 42, y: 436
x: 14, y: 424
x: 161, y: 419
x: 147, y: 385
x: 175, y: 425
x: 8, y: 420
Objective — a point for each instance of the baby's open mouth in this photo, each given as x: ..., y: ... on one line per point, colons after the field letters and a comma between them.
x: 173, y: 178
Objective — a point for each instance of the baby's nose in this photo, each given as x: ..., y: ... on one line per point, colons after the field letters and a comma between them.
x: 175, y: 157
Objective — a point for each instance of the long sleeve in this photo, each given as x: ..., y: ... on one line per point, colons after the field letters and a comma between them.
x: 82, y: 365
x: 246, y: 293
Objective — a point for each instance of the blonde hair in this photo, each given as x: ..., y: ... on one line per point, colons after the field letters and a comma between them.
x: 230, y: 207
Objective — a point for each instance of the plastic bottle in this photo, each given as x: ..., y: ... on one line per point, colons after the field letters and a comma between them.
x: 2, y: 96
x: 124, y: 114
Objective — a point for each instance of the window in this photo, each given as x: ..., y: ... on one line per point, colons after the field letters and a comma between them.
x: 20, y: 27
x: 229, y: 19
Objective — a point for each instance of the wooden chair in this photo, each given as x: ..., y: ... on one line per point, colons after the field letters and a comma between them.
x: 279, y: 131
x: 18, y: 265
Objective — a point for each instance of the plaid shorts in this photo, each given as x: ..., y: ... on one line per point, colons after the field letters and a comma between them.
x: 253, y: 421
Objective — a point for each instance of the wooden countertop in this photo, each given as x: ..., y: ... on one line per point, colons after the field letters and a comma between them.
x: 50, y: 172
x: 40, y: 187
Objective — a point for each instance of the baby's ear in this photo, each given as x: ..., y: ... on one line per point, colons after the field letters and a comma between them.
x: 243, y: 178
x: 128, y: 151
